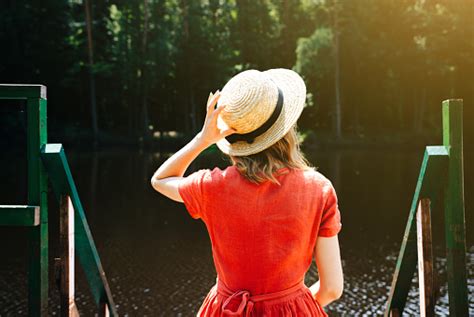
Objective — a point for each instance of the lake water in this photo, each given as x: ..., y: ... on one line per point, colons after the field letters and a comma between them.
x: 158, y: 259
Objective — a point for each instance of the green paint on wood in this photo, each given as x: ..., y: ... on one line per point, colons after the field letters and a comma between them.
x: 454, y: 209
x: 37, y: 196
x: 432, y: 175
x: 446, y: 171
x: 55, y: 161
x: 27, y: 216
x: 18, y: 91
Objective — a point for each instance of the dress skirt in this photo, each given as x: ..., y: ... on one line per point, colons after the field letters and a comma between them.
x: 294, y: 301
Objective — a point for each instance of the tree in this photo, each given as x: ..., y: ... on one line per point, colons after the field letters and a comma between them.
x: 90, y: 53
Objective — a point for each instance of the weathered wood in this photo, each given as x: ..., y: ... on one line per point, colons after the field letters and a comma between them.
x: 394, y: 313
x: 454, y: 209
x: 18, y: 91
x: 430, y: 181
x: 37, y: 196
x: 15, y: 215
x: 66, y: 246
x: 104, y: 310
x: 425, y: 258
x: 55, y: 161
x: 454, y: 220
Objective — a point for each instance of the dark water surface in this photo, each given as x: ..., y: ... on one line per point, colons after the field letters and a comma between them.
x: 158, y: 259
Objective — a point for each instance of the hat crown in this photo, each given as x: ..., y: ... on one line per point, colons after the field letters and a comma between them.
x: 250, y: 98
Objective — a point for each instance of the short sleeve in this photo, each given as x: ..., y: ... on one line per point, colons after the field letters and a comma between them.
x: 331, y: 217
x: 192, y: 192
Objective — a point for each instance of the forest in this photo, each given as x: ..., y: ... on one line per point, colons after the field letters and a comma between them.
x: 125, y: 71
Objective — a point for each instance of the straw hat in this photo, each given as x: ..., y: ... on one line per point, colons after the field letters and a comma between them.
x: 262, y: 107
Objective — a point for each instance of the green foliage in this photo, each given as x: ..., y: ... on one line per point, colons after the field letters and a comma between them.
x: 398, y: 60
x: 313, y: 54
x: 155, y: 61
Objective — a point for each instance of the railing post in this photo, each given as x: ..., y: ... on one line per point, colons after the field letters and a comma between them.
x: 425, y: 258
x: 55, y: 161
x: 37, y: 196
x: 430, y: 180
x: 454, y: 208
x: 104, y: 310
x: 66, y: 246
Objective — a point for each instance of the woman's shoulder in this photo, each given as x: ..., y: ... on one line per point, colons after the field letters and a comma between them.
x: 231, y: 173
x: 317, y: 179
x: 315, y: 175
x: 217, y: 173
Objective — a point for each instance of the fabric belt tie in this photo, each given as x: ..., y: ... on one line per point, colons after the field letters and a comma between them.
x: 247, y: 301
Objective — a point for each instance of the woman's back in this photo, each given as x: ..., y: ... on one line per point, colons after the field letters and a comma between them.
x: 263, y: 235
x: 265, y: 222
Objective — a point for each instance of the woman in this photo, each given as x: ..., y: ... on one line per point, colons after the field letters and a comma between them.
x: 269, y: 214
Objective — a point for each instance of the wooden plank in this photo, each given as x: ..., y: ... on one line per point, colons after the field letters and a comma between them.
x: 425, y: 258
x: 15, y: 215
x: 104, y: 310
x: 19, y: 91
x: 430, y: 181
x: 394, y: 313
x: 66, y: 247
x: 455, y: 228
x: 37, y: 196
x: 55, y: 161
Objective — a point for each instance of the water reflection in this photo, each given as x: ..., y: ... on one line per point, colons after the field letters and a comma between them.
x: 158, y: 259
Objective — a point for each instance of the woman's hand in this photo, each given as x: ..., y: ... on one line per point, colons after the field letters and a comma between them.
x: 169, y: 175
x: 210, y: 133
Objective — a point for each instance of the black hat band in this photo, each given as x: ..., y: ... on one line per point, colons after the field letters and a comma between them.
x: 250, y: 136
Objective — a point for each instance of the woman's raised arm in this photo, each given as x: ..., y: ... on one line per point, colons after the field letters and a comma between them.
x: 167, y: 177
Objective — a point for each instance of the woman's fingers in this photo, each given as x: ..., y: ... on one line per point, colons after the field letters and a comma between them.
x: 219, y: 109
x: 209, y: 99
x: 208, y: 105
x: 216, y: 113
x: 215, y: 98
x: 227, y: 132
x: 212, y: 100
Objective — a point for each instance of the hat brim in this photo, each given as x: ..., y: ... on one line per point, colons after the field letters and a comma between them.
x: 294, y: 97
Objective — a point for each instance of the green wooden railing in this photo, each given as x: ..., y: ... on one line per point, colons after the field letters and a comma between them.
x: 35, y: 97
x: 60, y: 176
x: 440, y: 179
x: 49, y: 160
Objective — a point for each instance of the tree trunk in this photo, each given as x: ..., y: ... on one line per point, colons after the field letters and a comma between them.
x: 188, y: 112
x: 337, y: 76
x: 127, y: 71
x: 416, y: 110
x: 356, y: 106
x: 421, y: 112
x: 192, y: 100
x: 145, y: 119
x: 95, y: 126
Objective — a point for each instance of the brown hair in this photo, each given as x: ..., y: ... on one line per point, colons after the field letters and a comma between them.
x: 261, y: 166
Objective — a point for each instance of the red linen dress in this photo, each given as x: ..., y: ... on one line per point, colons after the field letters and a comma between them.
x: 263, y: 237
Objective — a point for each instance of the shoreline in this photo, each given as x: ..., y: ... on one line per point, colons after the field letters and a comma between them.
x: 167, y: 143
